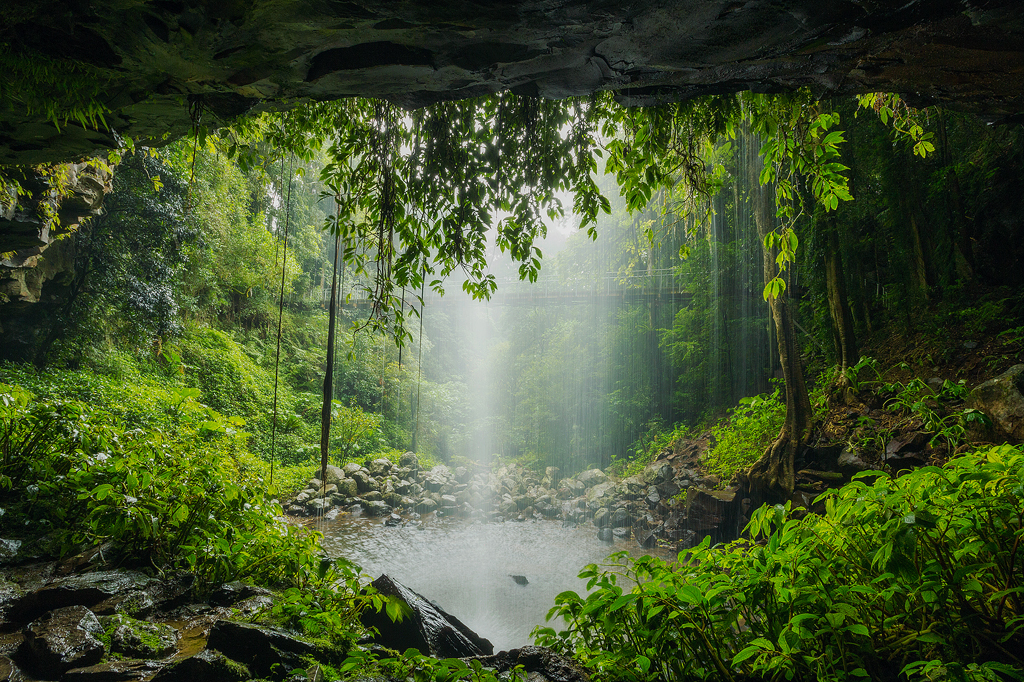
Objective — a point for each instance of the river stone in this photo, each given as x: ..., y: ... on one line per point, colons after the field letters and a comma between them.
x: 619, y: 518
x: 363, y: 481
x: 1002, y: 400
x: 377, y: 508
x: 129, y: 670
x: 426, y: 505
x: 267, y: 652
x: 591, y: 477
x: 602, y: 517
x: 63, y: 639
x: 393, y: 499
x: 379, y: 467
x: 600, y: 495
x: 348, y: 487
x: 409, y: 460
x: 351, y: 468
x: 334, y: 474
x: 139, y: 639
x: 605, y: 535
x: 427, y: 628
x: 317, y: 505
x: 553, y: 474
x: 206, y: 666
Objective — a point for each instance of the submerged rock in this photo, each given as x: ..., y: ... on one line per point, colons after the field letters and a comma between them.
x: 427, y: 627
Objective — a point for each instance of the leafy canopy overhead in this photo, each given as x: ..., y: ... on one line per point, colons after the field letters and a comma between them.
x: 422, y: 194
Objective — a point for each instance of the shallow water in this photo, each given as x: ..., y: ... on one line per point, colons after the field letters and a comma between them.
x: 467, y: 567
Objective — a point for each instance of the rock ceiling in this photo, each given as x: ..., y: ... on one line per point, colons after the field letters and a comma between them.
x: 236, y: 55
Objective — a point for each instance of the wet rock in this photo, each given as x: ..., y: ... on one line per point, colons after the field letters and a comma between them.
x: 603, y: 517
x: 379, y: 467
x: 591, y: 477
x: 348, y: 487
x: 712, y: 512
x: 409, y: 460
x: 850, y: 463
x: 63, y: 639
x: 668, y: 489
x: 606, y: 535
x: 536, y: 661
x: 553, y: 475
x: 657, y: 473
x: 228, y: 594
x: 393, y: 520
x: 334, y: 475
x: 139, y: 639
x: 377, y: 508
x: 520, y: 579
x: 8, y: 550
x: 393, y: 499
x: 600, y: 495
x: 425, y: 506
x: 1002, y: 401
x: 619, y: 518
x: 646, y: 539
x: 113, y: 671
x: 372, y: 496
x: 461, y: 474
x: 620, y: 533
x: 653, y: 496
x: 428, y: 628
x: 206, y: 666
x: 827, y: 476
x: 9, y: 671
x: 318, y: 505
x: 86, y: 589
x: 351, y: 468
x: 314, y: 484
x: 363, y: 481
x: 266, y: 652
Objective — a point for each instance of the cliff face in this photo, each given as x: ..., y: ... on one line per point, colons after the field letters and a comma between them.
x: 152, y: 59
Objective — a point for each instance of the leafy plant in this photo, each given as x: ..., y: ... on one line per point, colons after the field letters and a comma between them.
x: 916, y: 577
x: 742, y: 439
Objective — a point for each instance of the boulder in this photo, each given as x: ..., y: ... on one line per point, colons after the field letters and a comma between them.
x: 138, y: 638
x: 1002, y: 401
x: 850, y: 463
x: 351, y: 468
x: 267, y: 652
x: 619, y: 519
x: 128, y: 670
x: 427, y: 627
x: 101, y: 589
x: 553, y: 474
x: 602, y: 518
x: 206, y: 666
x: 425, y: 506
x: 600, y: 495
x: 591, y: 477
x: 363, y: 481
x: 348, y: 487
x: 334, y: 475
x: 540, y: 663
x: 62, y: 639
x: 409, y: 460
x: 377, y: 508
x: 653, y: 497
x: 229, y: 594
x: 379, y: 467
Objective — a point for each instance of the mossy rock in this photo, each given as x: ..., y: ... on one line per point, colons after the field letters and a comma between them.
x: 138, y: 638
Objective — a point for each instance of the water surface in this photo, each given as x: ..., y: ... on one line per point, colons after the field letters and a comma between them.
x: 466, y: 567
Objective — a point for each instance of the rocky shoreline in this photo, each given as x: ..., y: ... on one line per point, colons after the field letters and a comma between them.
x: 112, y: 625
x: 670, y: 502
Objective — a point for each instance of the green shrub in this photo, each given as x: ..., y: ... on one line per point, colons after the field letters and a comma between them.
x: 741, y: 439
x: 915, y: 578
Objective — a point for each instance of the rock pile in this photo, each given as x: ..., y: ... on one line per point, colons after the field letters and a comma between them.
x: 123, y: 625
x: 669, y: 500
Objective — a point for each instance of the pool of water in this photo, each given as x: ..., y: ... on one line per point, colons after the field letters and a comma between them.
x: 466, y: 567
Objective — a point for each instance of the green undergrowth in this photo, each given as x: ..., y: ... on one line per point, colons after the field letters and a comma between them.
x: 742, y: 438
x: 915, y: 578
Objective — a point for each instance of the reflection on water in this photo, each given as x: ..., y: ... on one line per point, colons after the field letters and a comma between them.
x: 466, y: 567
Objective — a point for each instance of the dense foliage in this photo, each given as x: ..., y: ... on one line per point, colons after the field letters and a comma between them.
x: 915, y: 577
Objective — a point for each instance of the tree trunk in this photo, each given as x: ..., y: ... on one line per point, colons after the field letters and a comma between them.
x: 773, y: 475
x: 838, y: 302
